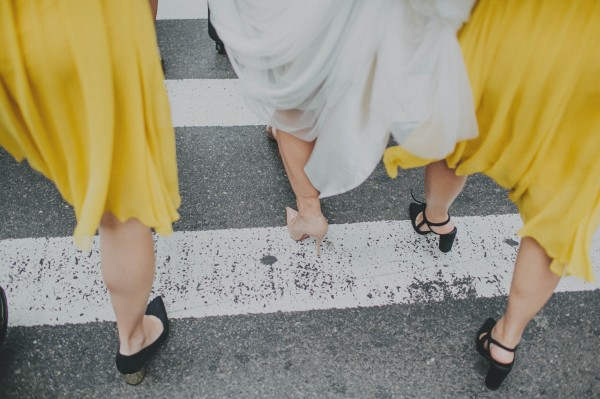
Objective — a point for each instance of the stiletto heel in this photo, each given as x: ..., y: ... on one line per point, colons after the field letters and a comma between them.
x: 319, y: 241
x: 446, y: 240
x: 133, y: 366
x: 301, y: 228
x: 497, y: 372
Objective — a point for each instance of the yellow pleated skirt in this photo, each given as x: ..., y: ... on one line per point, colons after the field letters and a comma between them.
x: 82, y: 99
x: 534, y: 67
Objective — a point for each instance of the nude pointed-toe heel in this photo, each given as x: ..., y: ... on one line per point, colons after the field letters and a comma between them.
x: 301, y: 227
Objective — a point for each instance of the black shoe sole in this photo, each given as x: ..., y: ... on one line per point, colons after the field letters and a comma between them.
x: 3, y: 315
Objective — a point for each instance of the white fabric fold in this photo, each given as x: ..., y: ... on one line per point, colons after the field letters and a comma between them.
x: 347, y: 73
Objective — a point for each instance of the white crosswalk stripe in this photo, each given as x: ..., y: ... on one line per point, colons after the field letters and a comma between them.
x: 182, y: 9
x: 218, y: 102
x: 261, y: 270
x: 209, y: 102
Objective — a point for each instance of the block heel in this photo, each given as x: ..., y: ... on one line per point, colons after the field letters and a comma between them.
x: 497, y: 372
x: 445, y: 240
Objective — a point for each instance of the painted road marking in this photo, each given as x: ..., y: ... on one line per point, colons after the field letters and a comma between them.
x: 209, y: 102
x: 219, y: 102
x: 182, y: 9
x: 261, y: 270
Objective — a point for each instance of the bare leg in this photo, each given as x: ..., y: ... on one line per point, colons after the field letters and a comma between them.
x: 295, y: 153
x: 154, y: 7
x: 532, y: 286
x: 442, y: 186
x: 127, y: 259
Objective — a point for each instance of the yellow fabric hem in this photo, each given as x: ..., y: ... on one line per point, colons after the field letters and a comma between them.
x: 83, y: 239
x: 396, y: 156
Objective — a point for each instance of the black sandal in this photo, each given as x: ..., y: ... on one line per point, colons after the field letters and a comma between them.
x: 446, y: 240
x: 497, y: 372
x: 132, y: 367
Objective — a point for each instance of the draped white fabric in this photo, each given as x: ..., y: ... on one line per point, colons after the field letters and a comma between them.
x: 349, y: 72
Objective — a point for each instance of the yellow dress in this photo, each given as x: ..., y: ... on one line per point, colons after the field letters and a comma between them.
x: 534, y: 67
x: 82, y: 99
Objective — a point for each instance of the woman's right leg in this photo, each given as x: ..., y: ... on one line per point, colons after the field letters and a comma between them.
x: 295, y: 154
x: 309, y: 220
x: 127, y: 261
x: 442, y: 186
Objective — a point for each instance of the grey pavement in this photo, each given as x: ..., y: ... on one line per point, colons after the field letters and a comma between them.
x: 188, y: 53
x: 407, y: 351
x: 221, y: 189
x: 420, y: 350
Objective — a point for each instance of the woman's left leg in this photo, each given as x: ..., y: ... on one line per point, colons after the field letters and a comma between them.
x: 127, y: 261
x: 532, y: 286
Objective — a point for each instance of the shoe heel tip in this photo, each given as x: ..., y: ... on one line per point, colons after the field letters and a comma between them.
x: 319, y: 242
x: 445, y: 248
x: 135, y: 378
x: 492, y: 387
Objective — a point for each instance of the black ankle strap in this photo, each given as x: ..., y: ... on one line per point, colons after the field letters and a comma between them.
x: 491, y: 340
x: 425, y: 220
x: 429, y: 224
x: 434, y: 224
x: 416, y: 200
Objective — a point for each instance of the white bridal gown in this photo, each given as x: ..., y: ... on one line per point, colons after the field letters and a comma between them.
x: 350, y: 72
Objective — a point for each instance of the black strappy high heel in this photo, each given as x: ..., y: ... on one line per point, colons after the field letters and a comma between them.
x: 446, y: 240
x: 132, y: 367
x: 497, y: 372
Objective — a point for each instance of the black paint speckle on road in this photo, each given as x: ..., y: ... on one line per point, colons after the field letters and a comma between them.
x: 268, y: 260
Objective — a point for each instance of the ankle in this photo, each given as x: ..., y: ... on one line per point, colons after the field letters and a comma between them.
x: 151, y: 328
x: 309, y: 207
x: 507, y: 339
x: 436, y: 215
x: 506, y: 336
x: 132, y: 343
